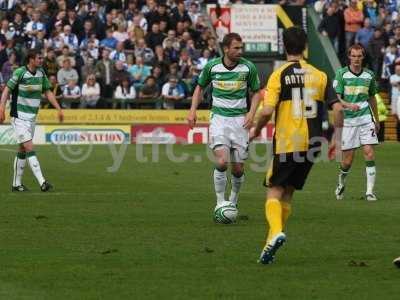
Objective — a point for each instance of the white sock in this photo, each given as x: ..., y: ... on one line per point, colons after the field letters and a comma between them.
x: 220, y: 185
x: 35, y: 167
x: 371, y: 173
x: 236, y: 183
x: 19, y: 165
x: 342, y: 175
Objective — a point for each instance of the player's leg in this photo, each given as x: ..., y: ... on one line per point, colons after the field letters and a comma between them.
x: 369, y: 138
x: 286, y: 203
x: 221, y: 154
x: 33, y: 161
x: 237, y: 180
x: 350, y: 142
x: 19, y: 166
x: 370, y: 170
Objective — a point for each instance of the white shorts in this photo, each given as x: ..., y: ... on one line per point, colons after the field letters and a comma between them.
x: 229, y: 132
x: 24, y: 130
x: 356, y: 136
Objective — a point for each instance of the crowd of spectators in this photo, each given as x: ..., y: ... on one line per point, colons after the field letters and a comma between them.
x: 100, y: 50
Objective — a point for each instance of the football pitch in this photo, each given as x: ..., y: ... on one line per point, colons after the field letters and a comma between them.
x: 144, y: 230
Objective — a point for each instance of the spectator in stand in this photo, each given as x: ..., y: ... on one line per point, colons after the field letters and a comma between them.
x: 35, y: 25
x: 88, y: 68
x: 376, y: 50
x: 69, y: 39
x: 9, y: 66
x: 212, y: 47
x: 395, y: 97
x: 144, y: 51
x: 56, y: 89
x: 185, y: 63
x: 387, y: 32
x: 194, y: 12
x: 2, y: 83
x: 193, y: 52
x: 119, y: 73
x: 66, y: 54
x: 383, y: 17
x: 118, y: 54
x: 396, y: 36
x: 6, y: 31
x: 364, y: 34
x: 194, y: 78
x: 171, y: 52
x: 135, y: 29
x: 90, y: 92
x: 382, y: 114
x: 104, y: 69
x: 353, y: 18
x: 330, y: 26
x: 179, y: 14
x: 71, y: 95
x: 92, y: 50
x: 110, y: 24
x: 158, y: 75
x: 67, y: 73
x: 92, y: 38
x: 139, y: 72
x: 125, y: 93
x: 87, y: 31
x: 109, y: 41
x: 171, y: 40
x: 50, y: 64
x: 390, y: 58
x: 18, y: 26
x: 121, y: 35
x: 161, y: 59
x: 155, y: 37
x: 149, y: 90
x: 370, y: 11
x: 203, y: 60
x: 73, y: 21
x: 159, y: 15
x: 172, y: 93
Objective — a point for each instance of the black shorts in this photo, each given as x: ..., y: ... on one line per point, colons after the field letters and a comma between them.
x: 289, y: 169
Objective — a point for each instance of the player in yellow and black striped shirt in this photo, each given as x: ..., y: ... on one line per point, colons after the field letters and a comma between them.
x: 296, y: 92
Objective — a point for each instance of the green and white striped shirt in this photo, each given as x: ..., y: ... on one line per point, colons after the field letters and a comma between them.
x: 230, y: 86
x: 356, y: 88
x: 27, y: 89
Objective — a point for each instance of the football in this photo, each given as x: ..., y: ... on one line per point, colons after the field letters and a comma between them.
x: 225, y: 213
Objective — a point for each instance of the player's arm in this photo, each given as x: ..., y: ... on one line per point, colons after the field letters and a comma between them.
x: 254, y: 86
x: 263, y: 119
x: 52, y: 99
x: 196, y: 99
x: 339, y: 86
x: 374, y: 107
x: 335, y: 102
x: 4, y: 97
x: 204, y: 80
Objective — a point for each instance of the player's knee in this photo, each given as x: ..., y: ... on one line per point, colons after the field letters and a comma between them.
x: 222, y: 165
x: 369, y: 155
x: 237, y: 173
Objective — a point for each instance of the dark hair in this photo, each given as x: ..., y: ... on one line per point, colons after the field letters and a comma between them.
x: 294, y: 40
x: 356, y: 47
x: 227, y: 41
x: 32, y: 53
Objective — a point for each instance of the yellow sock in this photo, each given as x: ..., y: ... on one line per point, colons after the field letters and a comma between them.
x: 273, y: 213
x: 286, y: 210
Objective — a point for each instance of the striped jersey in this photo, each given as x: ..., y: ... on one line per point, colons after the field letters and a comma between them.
x: 356, y: 88
x: 230, y: 86
x: 27, y: 89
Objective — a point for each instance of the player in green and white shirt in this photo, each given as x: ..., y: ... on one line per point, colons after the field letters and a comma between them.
x: 232, y: 79
x: 26, y: 86
x: 356, y: 88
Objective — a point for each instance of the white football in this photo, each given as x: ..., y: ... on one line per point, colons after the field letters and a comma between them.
x: 226, y: 213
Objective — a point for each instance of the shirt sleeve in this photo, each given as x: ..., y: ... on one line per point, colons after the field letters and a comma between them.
x: 330, y: 95
x: 338, y: 84
x: 254, y: 80
x: 13, y: 81
x: 273, y: 90
x: 373, y: 88
x: 205, y: 76
x: 46, y: 84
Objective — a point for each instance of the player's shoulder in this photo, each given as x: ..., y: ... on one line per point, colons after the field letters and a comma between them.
x: 342, y: 71
x: 369, y: 72
x: 213, y: 62
x: 313, y: 70
x: 246, y: 62
x: 20, y: 70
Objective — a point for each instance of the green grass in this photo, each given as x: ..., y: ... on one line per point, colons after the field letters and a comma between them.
x: 146, y: 232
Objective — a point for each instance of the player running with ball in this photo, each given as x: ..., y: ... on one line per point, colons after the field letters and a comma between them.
x: 27, y: 85
x: 232, y: 78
